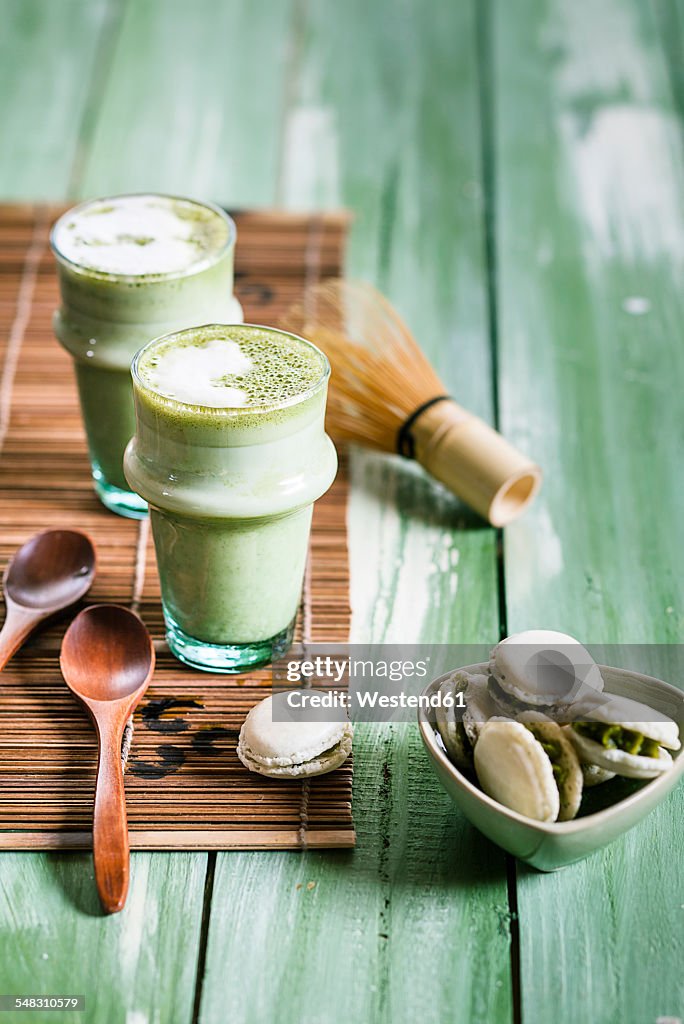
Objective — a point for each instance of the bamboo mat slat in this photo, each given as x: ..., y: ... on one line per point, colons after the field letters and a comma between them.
x: 185, y: 787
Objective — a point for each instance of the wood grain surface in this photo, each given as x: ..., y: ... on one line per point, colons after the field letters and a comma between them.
x: 590, y: 252
x: 515, y: 171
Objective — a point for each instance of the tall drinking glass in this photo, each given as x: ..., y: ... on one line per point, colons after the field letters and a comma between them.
x: 132, y: 268
x: 230, y: 451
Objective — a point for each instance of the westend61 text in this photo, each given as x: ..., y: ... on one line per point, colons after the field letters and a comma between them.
x: 370, y: 699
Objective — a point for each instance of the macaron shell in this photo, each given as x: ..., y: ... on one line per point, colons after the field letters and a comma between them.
x: 477, y: 695
x: 451, y: 687
x: 631, y: 766
x: 509, y: 664
x: 511, y: 707
x: 594, y: 776
x: 505, y: 703
x: 325, y: 762
x: 461, y: 679
x: 476, y: 682
x: 441, y: 716
x: 631, y: 714
x: 479, y: 707
x: 513, y: 768
x: 571, y: 781
x: 451, y: 730
x: 283, y: 743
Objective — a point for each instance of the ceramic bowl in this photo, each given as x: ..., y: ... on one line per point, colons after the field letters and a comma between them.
x: 551, y: 845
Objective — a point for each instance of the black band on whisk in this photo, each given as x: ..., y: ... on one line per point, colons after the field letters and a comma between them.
x: 406, y: 445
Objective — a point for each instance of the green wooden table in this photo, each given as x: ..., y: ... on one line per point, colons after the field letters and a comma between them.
x: 516, y: 170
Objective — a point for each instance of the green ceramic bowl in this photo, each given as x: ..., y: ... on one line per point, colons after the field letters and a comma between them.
x: 551, y: 845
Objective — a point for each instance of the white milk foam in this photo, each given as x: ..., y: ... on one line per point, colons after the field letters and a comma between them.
x: 140, y: 234
x: 192, y: 373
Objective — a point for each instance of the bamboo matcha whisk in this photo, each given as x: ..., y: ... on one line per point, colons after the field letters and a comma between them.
x: 385, y: 394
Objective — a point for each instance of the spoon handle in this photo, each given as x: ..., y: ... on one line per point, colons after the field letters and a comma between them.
x: 17, y: 625
x: 110, y: 826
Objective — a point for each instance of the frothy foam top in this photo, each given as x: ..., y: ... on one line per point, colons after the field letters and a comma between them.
x: 140, y: 235
x: 222, y: 367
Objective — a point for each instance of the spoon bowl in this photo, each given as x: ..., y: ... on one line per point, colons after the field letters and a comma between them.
x: 48, y: 573
x: 106, y: 654
x: 51, y: 570
x: 107, y: 662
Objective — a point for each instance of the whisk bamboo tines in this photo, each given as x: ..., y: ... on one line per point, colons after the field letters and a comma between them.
x: 385, y: 394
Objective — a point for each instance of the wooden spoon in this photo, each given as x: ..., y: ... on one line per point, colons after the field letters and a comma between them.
x: 47, y: 574
x: 107, y: 661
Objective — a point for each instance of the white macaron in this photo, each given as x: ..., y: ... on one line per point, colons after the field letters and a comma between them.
x: 625, y: 737
x: 541, y: 668
x: 479, y: 707
x: 291, y: 749
x: 530, y: 767
x: 449, y: 720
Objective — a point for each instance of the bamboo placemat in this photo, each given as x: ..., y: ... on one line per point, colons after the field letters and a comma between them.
x: 185, y: 787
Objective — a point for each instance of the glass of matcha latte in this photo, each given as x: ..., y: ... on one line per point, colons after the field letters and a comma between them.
x: 131, y: 268
x: 230, y: 451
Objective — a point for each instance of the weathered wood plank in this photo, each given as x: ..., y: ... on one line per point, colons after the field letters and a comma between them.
x: 49, y: 58
x: 590, y: 213
x: 670, y: 17
x: 138, y: 966
x: 413, y: 924
x: 194, y: 102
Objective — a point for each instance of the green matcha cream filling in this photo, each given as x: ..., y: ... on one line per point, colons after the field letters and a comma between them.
x: 616, y: 737
x: 553, y: 752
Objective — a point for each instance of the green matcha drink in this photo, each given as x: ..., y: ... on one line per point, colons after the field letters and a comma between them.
x: 230, y: 451
x: 132, y: 268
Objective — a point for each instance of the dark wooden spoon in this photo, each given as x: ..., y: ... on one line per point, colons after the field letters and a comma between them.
x: 107, y: 661
x: 50, y: 572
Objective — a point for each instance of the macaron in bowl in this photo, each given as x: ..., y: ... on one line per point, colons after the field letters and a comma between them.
x: 548, y: 845
x: 625, y: 737
x: 530, y: 766
x: 541, y: 668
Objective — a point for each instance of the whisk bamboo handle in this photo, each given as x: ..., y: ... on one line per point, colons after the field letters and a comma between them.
x: 474, y: 461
